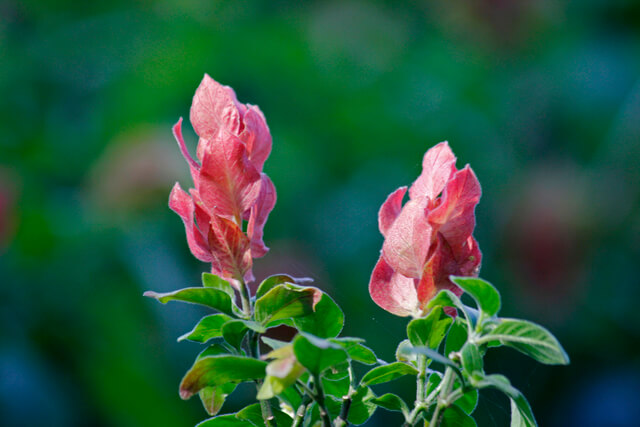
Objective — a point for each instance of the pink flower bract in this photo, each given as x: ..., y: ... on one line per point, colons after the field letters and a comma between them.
x: 230, y: 187
x: 429, y: 238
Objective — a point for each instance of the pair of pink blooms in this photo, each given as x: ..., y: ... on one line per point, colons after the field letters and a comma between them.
x: 230, y: 187
x: 426, y: 240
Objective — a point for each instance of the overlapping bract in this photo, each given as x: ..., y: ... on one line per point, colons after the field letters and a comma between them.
x: 429, y: 238
x: 230, y: 187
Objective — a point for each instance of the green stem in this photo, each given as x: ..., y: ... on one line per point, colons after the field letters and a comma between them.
x: 245, y: 299
x: 324, y: 413
x: 301, y: 411
x: 443, y: 403
x: 342, y: 419
x: 422, y: 379
x: 421, y: 386
x: 254, y: 351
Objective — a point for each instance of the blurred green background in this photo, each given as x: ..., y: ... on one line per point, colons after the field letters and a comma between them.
x: 541, y: 97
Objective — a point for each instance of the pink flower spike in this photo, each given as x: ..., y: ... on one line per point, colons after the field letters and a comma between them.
x: 392, y: 291
x: 177, y: 133
x: 259, y: 214
x: 183, y: 205
x: 438, y: 164
x: 390, y: 210
x: 455, y: 217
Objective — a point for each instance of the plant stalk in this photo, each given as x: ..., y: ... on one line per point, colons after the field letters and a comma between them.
x: 443, y: 402
x: 300, y: 412
x: 319, y: 398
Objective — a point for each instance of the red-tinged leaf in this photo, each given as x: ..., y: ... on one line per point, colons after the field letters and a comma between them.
x: 213, y: 109
x: 390, y: 210
x: 259, y: 214
x: 229, y: 184
x: 213, y: 371
x: 256, y: 136
x: 438, y: 165
x: 393, y: 291
x: 408, y: 240
x: 183, y: 205
x: 230, y: 248
x: 454, y: 218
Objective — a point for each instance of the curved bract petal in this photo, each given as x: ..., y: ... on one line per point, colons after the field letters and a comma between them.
x: 392, y: 291
x: 259, y: 214
x: 229, y: 183
x: 230, y: 248
x: 408, y: 240
x: 390, y: 210
x: 183, y: 205
x: 214, y: 108
x: 454, y: 218
x: 256, y: 136
x: 438, y: 164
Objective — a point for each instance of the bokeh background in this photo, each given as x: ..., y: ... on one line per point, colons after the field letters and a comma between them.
x: 541, y: 97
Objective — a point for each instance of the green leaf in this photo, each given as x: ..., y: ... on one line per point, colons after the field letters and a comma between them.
x: 337, y: 372
x: 471, y: 358
x: 273, y: 343
x: 521, y: 415
x: 284, y: 302
x: 253, y: 414
x: 356, y: 350
x: 218, y: 370
x: 468, y: 401
x: 209, y: 297
x: 391, y: 402
x: 228, y: 420
x: 213, y: 397
x: 502, y: 383
x: 456, y: 337
x: 317, y: 354
x: 362, y: 406
x: 233, y: 332
x: 430, y: 330
x: 445, y: 298
x: 213, y: 350
x: 386, y: 373
x: 273, y: 281
x: 337, y: 388
x: 325, y: 322
x: 529, y: 338
x: 212, y: 281
x: 455, y: 417
x: 484, y: 294
x: 207, y: 328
